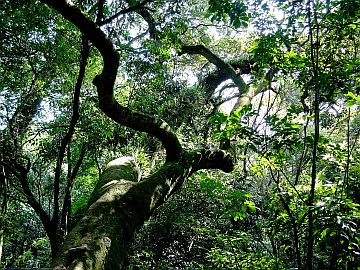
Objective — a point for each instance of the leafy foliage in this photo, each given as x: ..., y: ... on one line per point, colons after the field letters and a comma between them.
x: 303, y: 76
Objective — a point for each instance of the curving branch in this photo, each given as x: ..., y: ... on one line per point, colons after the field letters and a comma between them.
x: 218, y: 62
x: 223, y: 66
x: 212, y: 159
x: 212, y: 80
x: 105, y: 82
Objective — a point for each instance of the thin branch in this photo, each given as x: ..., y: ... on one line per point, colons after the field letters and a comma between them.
x: 288, y: 180
x: 74, y: 118
x: 222, y: 101
x: 66, y: 208
x: 292, y: 220
x: 125, y: 11
x: 303, y: 152
x: 31, y: 200
x: 100, y: 13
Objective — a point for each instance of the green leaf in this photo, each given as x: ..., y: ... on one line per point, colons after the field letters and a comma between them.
x: 251, y: 205
x: 324, y: 232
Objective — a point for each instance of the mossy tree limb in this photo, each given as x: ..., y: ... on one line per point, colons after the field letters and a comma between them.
x: 120, y: 205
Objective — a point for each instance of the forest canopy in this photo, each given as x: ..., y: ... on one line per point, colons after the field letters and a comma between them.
x: 153, y: 134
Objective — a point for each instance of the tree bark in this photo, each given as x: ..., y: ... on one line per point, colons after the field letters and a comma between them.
x: 120, y: 205
x: 315, y: 62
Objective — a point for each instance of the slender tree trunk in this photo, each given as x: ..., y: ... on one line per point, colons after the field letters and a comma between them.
x: 3, y: 209
x: 295, y: 231
x: 60, y: 215
x: 1, y: 239
x: 292, y: 221
x: 314, y: 58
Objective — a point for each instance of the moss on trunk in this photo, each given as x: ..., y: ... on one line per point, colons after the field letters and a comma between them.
x: 120, y: 205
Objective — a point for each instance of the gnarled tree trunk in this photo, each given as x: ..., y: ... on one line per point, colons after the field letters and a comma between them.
x: 120, y: 205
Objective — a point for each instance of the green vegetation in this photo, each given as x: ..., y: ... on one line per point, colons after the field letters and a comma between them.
x: 265, y: 91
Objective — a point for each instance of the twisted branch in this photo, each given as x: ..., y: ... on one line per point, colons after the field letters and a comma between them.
x: 105, y: 82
